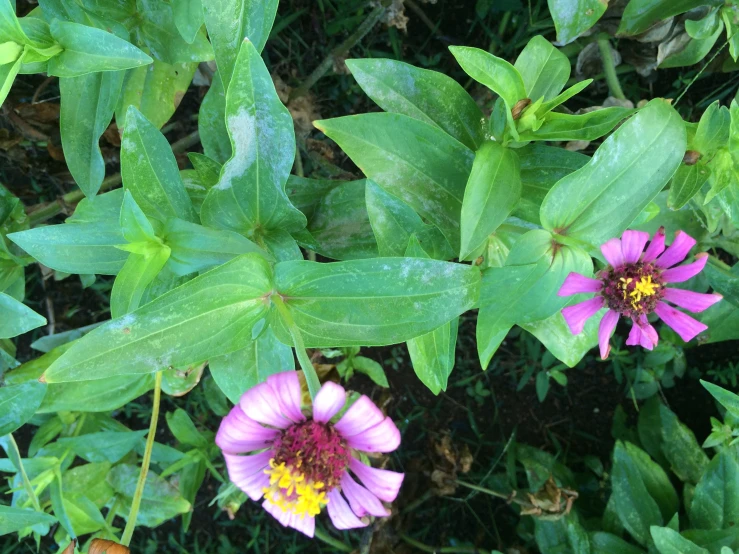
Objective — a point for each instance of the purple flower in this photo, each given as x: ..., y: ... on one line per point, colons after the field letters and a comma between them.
x: 300, y: 461
x: 634, y: 285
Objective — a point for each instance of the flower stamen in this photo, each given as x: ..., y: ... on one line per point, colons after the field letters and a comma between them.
x: 291, y: 492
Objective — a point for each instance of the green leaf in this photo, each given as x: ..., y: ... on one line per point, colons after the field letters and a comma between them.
x: 544, y: 69
x: 600, y: 200
x: 157, y: 30
x: 212, y: 123
x: 17, y: 519
x: 541, y: 167
x: 686, y: 457
x: 156, y: 91
x: 716, y: 542
x: 433, y: 355
x: 723, y: 323
x: 713, y: 129
x: 371, y: 369
x: 250, y: 195
x: 588, y: 126
x: 649, y: 427
x: 694, y: 51
x: 561, y: 536
x: 633, y: 500
x: 137, y: 274
x: 716, y: 500
x: 18, y: 403
x: 607, y: 543
x: 88, y: 102
x: 374, y: 302
x: 669, y: 541
x: 184, y: 429
x: 84, y: 517
x: 89, y: 480
x: 105, y: 446
x: 556, y: 336
x: 410, y: 159
x: 686, y: 183
x: 134, y: 224
x: 17, y: 318
x: 492, y: 191
x: 10, y: 28
x: 393, y: 222
x: 229, y: 22
x: 724, y: 280
x: 726, y: 398
x: 160, y: 500
x: 428, y: 96
x: 149, y: 171
x: 188, y: 16
x: 8, y: 73
x: 573, y: 17
x: 341, y: 226
x: 639, y: 15
x: 305, y: 194
x: 88, y: 50
x: 209, y: 316
x: 563, y: 97
x: 493, y: 72
x: 195, y: 248
x: 237, y: 372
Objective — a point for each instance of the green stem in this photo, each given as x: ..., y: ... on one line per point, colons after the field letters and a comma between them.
x: 508, y: 497
x: 136, y: 503
x: 609, y: 68
x: 328, y: 539
x: 311, y: 377
x: 22, y: 470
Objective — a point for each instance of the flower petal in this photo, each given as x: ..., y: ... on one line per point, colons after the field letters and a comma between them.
x: 304, y: 524
x: 682, y: 273
x: 239, y: 434
x: 656, y: 247
x: 384, y: 484
x: 275, y: 511
x: 262, y: 404
x: 612, y: 252
x: 287, y: 389
x: 245, y: 475
x: 684, y: 325
x: 328, y: 402
x: 677, y: 251
x: 360, y: 416
x: 693, y: 301
x: 578, y: 314
x: 383, y: 437
x: 606, y: 327
x: 362, y: 501
x: 340, y: 513
x: 576, y: 284
x: 632, y: 245
x: 649, y: 336
x: 634, y: 335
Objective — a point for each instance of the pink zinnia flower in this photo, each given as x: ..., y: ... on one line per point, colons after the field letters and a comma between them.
x: 300, y: 461
x: 634, y: 286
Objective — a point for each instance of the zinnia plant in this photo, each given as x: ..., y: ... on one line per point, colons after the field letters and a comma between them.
x: 302, y: 460
x: 634, y: 285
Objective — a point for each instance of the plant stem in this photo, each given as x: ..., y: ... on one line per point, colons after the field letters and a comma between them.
x: 441, y: 550
x: 136, y: 503
x: 339, y: 52
x: 15, y: 455
x: 609, y: 68
x: 508, y: 497
x: 311, y: 377
x: 43, y: 212
x: 328, y: 539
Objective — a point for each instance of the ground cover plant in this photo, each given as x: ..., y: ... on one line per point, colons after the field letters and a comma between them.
x: 413, y: 276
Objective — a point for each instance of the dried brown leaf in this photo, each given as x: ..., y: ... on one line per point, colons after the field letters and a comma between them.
x: 102, y: 546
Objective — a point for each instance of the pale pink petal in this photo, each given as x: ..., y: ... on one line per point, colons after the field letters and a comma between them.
x: 612, y: 252
x: 278, y: 513
x: 340, y: 513
x: 632, y: 245
x: 684, y: 325
x: 244, y: 475
x: 677, y: 251
x: 239, y: 434
x: 360, y: 416
x: 383, y: 437
x: 576, y: 284
x: 304, y: 523
x: 693, y: 301
x: 634, y: 335
x: 262, y: 404
x: 578, y: 314
x: 656, y: 247
x: 384, y: 484
x: 362, y: 501
x: 287, y: 389
x: 682, y: 273
x: 328, y: 402
x: 606, y: 327
x: 649, y: 336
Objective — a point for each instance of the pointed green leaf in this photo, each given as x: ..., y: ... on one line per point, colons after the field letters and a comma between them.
x: 18, y: 403
x: 136, y: 275
x: 493, y: 72
x: 639, y: 15
x: 17, y: 318
x: 250, y: 195
x: 188, y: 16
x: 669, y: 541
x: 17, y: 519
x: 588, y: 126
x: 543, y: 69
x: 686, y: 183
x: 573, y: 17
x: 715, y: 503
x: 156, y: 28
x: 212, y: 123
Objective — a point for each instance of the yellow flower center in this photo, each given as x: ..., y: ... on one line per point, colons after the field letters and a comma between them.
x: 291, y: 492
x: 642, y: 288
